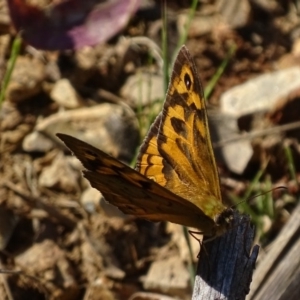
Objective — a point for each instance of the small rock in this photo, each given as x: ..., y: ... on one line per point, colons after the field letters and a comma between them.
x: 99, y: 290
x: 47, y: 261
x: 65, y: 95
x: 234, y: 13
x: 223, y: 15
x: 37, y: 142
x: 41, y: 256
x: 168, y: 276
x: 90, y: 199
x: 236, y: 155
x: 199, y: 26
x: 142, y: 89
x: 260, y: 93
x: 110, y: 127
x: 59, y: 175
x: 270, y: 6
x: 26, y: 79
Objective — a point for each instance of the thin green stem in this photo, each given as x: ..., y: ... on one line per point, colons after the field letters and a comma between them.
x: 165, y: 46
x: 183, y: 37
x: 16, y: 46
x: 291, y: 164
x: 211, y: 85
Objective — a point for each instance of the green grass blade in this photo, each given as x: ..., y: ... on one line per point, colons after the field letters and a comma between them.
x: 213, y: 81
x: 165, y: 46
x: 291, y: 164
x: 16, y: 46
x: 192, y: 11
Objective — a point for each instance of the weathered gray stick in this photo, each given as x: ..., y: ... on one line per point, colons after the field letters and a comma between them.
x: 226, y: 264
x: 278, y: 272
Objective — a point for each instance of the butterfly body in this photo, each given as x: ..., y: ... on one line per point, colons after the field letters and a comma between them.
x: 176, y: 177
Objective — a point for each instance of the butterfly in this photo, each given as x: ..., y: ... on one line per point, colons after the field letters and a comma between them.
x: 176, y: 177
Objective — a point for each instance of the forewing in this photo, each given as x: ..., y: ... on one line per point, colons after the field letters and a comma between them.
x: 179, y: 144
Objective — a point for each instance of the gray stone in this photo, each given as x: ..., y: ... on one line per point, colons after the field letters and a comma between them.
x: 142, y: 89
x: 65, y: 94
x: 260, y: 93
x: 168, y: 276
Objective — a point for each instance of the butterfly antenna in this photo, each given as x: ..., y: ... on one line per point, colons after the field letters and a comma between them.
x: 264, y: 193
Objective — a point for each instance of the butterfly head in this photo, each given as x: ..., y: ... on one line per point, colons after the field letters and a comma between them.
x: 224, y: 221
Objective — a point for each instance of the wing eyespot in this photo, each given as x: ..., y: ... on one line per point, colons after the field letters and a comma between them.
x: 187, y: 81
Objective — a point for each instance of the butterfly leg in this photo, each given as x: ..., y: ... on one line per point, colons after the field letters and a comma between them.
x: 194, y: 234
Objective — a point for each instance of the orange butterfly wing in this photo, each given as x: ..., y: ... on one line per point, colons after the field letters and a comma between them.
x: 177, y: 152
